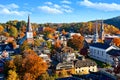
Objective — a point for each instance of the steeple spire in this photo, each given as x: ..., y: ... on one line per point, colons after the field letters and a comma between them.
x: 102, y: 30
x: 95, y: 38
x: 29, y: 28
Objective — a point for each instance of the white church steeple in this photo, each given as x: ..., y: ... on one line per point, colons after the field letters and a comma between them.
x: 29, y: 32
x: 95, y: 37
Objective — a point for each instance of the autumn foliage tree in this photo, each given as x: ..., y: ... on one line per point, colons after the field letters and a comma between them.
x: 76, y: 42
x: 116, y: 41
x: 63, y: 32
x: 57, y: 44
x: 48, y: 32
x: 1, y: 28
x: 29, y: 66
x: 13, y: 31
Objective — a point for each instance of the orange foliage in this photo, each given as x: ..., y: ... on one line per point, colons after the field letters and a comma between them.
x: 116, y: 41
x: 63, y: 32
x: 14, y: 44
x: 57, y: 44
x: 1, y: 28
x: 6, y: 34
x: 33, y: 64
x: 34, y: 33
x: 76, y: 42
x: 100, y: 41
x: 22, y: 34
x: 48, y: 29
x: 28, y: 76
x: 50, y: 36
x: 29, y: 66
x: 118, y: 32
x: 10, y: 39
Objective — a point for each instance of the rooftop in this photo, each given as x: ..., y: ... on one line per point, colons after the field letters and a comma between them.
x: 84, y: 63
x: 114, y: 52
x: 100, y: 45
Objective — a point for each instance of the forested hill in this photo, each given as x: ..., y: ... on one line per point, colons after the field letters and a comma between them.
x: 113, y: 21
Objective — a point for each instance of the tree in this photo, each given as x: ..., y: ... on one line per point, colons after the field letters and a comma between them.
x: 28, y: 76
x: 25, y: 46
x: 20, y: 24
x: 57, y: 44
x: 22, y: 34
x: 44, y: 76
x: 28, y: 65
x: 12, y: 75
x: 33, y: 64
x: 6, y: 34
x: 38, y: 42
x: 13, y: 32
x: 76, y: 42
x: 1, y: 28
x: 63, y: 32
x: 84, y: 51
x: 116, y: 41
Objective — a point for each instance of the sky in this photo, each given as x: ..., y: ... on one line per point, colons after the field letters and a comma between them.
x: 58, y: 11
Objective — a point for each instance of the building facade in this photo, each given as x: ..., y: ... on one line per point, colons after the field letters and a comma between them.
x: 85, y: 66
x: 99, y: 51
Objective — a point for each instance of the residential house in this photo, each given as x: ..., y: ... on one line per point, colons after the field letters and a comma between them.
x: 84, y: 66
x: 99, y: 51
x: 67, y: 66
x: 45, y: 57
x: 2, y: 38
x: 66, y: 54
x: 7, y: 47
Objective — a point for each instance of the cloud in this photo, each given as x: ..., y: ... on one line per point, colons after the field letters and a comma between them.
x: 9, y: 12
x: 48, y: 3
x: 55, y: 8
x: 11, y: 9
x: 66, y: 2
x: 49, y: 9
x: 100, y: 5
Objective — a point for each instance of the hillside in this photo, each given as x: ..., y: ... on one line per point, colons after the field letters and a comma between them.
x: 113, y: 21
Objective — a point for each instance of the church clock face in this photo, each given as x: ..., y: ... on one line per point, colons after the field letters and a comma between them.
x: 29, y: 35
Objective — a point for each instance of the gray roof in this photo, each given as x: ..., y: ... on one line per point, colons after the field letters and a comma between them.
x: 114, y: 52
x: 64, y: 65
x: 84, y: 63
x: 100, y: 45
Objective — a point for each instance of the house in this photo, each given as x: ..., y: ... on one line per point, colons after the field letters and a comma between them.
x: 67, y: 66
x: 84, y: 66
x: 45, y: 57
x: 99, y: 51
x: 2, y: 38
x: 6, y: 47
x: 66, y: 54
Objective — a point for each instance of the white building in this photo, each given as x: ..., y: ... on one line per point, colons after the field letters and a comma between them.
x: 100, y: 51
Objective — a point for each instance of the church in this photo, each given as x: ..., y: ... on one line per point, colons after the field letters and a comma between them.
x: 28, y: 35
x: 102, y: 51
